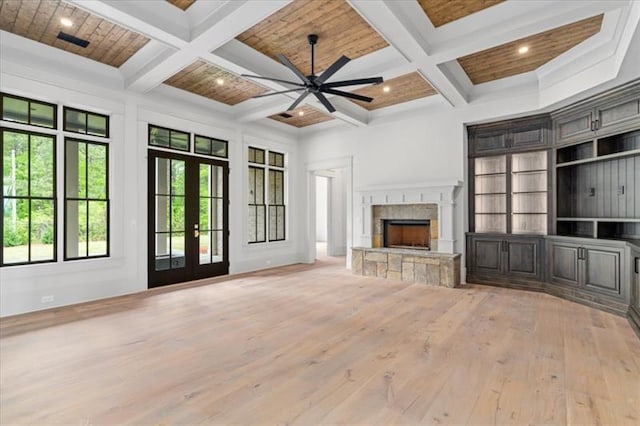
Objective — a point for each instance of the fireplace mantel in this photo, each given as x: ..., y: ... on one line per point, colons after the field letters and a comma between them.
x: 440, y: 193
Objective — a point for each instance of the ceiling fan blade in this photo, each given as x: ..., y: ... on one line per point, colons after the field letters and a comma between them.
x: 273, y: 79
x: 293, y: 68
x: 297, y: 101
x: 277, y: 93
x: 325, y: 102
x: 348, y: 95
x: 341, y: 62
x: 372, y: 80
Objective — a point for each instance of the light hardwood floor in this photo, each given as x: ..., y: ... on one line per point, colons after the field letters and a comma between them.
x: 315, y: 344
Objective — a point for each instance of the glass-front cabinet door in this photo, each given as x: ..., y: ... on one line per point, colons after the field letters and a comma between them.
x: 511, y: 193
x: 188, y: 218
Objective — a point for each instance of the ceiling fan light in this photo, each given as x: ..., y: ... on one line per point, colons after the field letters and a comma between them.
x: 386, y: 89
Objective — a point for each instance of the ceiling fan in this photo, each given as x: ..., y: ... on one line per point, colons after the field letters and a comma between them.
x: 317, y: 84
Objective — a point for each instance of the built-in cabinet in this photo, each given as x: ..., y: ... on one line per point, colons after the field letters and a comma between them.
x: 509, y: 199
x: 574, y: 175
x: 512, y: 259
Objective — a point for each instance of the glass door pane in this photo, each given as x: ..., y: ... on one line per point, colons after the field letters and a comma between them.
x: 491, y: 194
x: 211, y: 222
x: 529, y: 193
x: 169, y: 213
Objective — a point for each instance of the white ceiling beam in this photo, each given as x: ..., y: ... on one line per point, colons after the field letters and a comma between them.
x: 396, y: 31
x: 156, y: 20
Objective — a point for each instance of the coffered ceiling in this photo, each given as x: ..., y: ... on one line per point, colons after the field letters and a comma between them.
x: 214, y: 83
x: 182, y: 4
x: 442, y: 12
x: 507, y: 59
x: 431, y: 53
x: 302, y: 116
x: 41, y: 20
x: 397, y: 90
x: 340, y: 30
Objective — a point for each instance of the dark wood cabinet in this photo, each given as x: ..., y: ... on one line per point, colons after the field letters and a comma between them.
x: 575, y: 175
x: 514, y: 260
x: 509, y: 136
x: 601, y: 116
x: 597, y: 270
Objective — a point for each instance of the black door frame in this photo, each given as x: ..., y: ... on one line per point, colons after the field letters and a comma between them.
x: 192, y: 269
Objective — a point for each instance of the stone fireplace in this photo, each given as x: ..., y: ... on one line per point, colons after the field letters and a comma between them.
x: 433, y: 202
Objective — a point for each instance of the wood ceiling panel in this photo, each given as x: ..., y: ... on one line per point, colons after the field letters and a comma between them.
x: 201, y: 78
x: 39, y: 20
x: 402, y: 89
x: 340, y: 29
x: 182, y: 4
x: 311, y: 116
x: 504, y: 60
x: 442, y: 12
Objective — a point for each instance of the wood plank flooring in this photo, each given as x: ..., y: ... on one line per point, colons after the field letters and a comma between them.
x: 314, y: 344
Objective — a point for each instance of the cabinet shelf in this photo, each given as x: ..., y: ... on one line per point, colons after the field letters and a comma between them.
x: 600, y: 158
x: 599, y: 219
x: 529, y: 171
x: 529, y: 192
x: 491, y: 193
x: 491, y: 174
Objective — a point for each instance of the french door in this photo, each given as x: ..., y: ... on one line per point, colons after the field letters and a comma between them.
x: 188, y: 218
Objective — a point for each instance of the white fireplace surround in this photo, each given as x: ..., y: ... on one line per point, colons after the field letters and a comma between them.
x: 440, y: 193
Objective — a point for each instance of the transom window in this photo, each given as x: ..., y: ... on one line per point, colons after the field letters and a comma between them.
x: 28, y: 111
x: 211, y: 146
x: 88, y: 123
x: 169, y: 138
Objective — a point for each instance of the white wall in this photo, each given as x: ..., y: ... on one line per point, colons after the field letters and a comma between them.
x: 125, y: 271
x: 321, y: 208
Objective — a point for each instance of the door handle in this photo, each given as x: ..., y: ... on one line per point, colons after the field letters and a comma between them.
x: 196, y: 230
x: 597, y: 126
x: 637, y: 265
x: 593, y: 125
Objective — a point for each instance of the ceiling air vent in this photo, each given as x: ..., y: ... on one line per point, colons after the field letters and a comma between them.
x: 73, y: 39
x: 285, y: 115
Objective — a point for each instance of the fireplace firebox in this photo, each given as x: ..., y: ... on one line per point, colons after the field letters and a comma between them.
x: 403, y: 233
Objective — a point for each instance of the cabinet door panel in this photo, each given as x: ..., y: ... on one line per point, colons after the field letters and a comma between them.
x: 564, y: 264
x: 528, y: 138
x: 487, y: 254
x: 573, y: 127
x: 487, y: 141
x: 602, y: 270
x: 618, y: 114
x: 635, y: 282
x: 522, y: 258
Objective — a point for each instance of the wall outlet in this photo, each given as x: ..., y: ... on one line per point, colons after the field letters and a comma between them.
x: 46, y: 299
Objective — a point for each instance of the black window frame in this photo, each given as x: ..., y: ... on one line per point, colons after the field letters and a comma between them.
x: 264, y: 206
x: 268, y: 185
x: 87, y: 199
x: 54, y: 198
x: 29, y: 101
x: 211, y: 140
x: 86, y: 122
x: 151, y: 126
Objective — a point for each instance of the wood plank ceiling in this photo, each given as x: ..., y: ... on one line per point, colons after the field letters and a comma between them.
x: 401, y: 89
x: 504, y: 60
x: 310, y: 116
x: 182, y: 4
x: 204, y: 79
x: 39, y: 20
x: 442, y: 12
x: 340, y: 29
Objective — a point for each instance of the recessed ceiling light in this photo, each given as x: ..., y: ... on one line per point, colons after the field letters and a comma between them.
x: 300, y: 113
x: 523, y: 50
x: 386, y: 89
x: 219, y: 82
x: 66, y: 22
